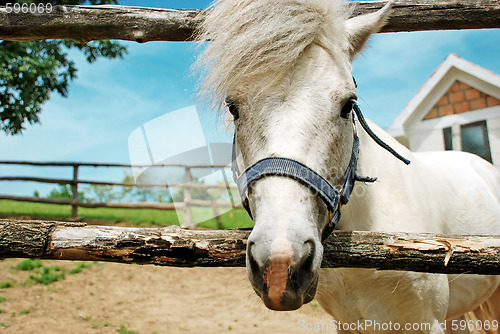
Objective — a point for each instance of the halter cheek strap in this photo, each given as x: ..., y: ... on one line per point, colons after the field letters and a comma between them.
x: 332, y: 197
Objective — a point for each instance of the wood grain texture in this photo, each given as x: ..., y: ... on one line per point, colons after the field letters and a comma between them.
x: 88, y: 23
x: 173, y: 246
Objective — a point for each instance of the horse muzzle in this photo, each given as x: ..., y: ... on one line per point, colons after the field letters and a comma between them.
x: 285, y: 277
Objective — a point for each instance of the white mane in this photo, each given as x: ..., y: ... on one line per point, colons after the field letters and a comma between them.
x: 252, y: 38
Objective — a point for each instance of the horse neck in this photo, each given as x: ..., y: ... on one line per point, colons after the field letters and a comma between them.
x: 367, y: 200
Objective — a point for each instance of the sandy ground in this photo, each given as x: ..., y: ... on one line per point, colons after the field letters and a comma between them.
x: 143, y: 299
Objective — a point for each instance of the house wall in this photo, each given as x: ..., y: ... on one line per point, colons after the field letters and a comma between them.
x: 427, y: 135
x: 457, y: 93
x: 493, y: 125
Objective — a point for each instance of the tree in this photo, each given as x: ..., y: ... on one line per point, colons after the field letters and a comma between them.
x: 65, y: 191
x: 104, y: 193
x: 31, y: 71
x: 196, y: 193
x: 107, y: 193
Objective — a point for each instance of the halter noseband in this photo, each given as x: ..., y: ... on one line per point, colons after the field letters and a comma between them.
x: 332, y: 197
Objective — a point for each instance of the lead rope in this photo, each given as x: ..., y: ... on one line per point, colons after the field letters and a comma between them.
x: 379, y: 141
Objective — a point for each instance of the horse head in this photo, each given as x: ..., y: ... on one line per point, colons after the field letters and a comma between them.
x: 283, y: 69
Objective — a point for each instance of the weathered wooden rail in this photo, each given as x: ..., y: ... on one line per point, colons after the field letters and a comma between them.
x: 87, y: 23
x: 186, y: 205
x: 173, y: 246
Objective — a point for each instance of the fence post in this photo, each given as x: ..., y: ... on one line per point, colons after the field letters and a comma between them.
x: 217, y: 214
x: 74, y: 190
x: 188, y: 219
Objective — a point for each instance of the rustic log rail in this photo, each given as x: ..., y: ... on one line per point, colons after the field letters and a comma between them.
x: 87, y: 23
x: 75, y: 203
x: 173, y: 246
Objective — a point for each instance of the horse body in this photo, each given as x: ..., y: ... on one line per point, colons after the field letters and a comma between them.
x: 284, y: 67
x: 440, y: 192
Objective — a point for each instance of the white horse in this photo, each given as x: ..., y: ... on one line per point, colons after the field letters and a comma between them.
x: 284, y: 69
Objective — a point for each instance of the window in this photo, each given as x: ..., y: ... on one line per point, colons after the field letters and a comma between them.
x: 448, y: 141
x: 474, y: 138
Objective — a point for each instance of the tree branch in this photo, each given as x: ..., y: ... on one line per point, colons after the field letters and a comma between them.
x: 87, y: 23
x: 173, y: 246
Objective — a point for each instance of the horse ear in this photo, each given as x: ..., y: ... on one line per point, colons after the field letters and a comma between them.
x: 360, y: 28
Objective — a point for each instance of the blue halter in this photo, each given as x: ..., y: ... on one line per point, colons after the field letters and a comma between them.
x: 332, y: 197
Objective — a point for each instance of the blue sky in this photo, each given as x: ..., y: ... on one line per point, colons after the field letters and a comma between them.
x: 112, y: 98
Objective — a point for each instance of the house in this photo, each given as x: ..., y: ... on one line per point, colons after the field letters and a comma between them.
x: 457, y: 108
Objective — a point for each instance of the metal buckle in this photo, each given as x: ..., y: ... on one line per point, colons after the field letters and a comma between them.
x: 330, y: 218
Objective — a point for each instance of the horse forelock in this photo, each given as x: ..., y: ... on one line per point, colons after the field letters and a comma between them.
x: 252, y: 39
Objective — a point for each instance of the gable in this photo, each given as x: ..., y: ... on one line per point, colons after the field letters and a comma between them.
x: 461, y: 98
x: 456, y: 88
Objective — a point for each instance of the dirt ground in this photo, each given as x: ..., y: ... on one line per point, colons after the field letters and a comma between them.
x: 120, y: 298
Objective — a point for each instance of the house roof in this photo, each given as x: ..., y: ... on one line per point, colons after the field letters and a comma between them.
x: 452, y: 64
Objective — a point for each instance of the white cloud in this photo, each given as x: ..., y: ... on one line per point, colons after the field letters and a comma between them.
x: 395, y: 65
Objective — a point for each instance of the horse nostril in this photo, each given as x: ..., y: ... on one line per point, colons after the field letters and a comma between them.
x: 308, y: 249
x: 309, y: 259
x: 300, y: 275
x: 254, y: 266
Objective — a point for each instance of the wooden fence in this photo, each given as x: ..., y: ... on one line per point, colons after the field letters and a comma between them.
x: 75, y: 203
x: 88, y: 23
x: 183, y: 247
x: 174, y: 246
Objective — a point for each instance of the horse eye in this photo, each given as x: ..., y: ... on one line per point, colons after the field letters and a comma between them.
x: 347, y: 108
x: 233, y: 109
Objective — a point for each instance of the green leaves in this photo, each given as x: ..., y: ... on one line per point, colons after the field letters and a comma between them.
x: 31, y: 71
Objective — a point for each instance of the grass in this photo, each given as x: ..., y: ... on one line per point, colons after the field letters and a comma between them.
x: 123, y: 330
x: 26, y: 311
x: 79, y: 266
x: 42, y: 273
x: 47, y: 275
x: 237, y: 218
x: 95, y: 325
x: 29, y: 264
x: 6, y: 285
x: 54, y: 211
